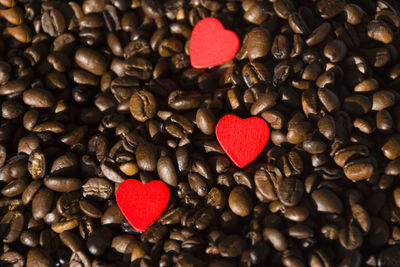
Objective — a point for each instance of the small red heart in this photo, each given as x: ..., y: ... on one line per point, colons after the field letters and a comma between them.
x: 211, y: 44
x: 142, y: 204
x: 242, y: 139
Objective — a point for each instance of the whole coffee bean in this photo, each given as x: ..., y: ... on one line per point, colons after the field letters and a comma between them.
x: 276, y: 238
x: 138, y: 67
x: 53, y: 22
x: 143, y: 105
x: 391, y: 147
x: 257, y: 43
x: 146, y: 157
x: 205, y: 121
x: 38, y: 98
x: 29, y: 238
x: 62, y: 184
x: 91, y: 60
x: 112, y: 215
x: 240, y: 202
x: 297, y: 214
x: 327, y: 201
x: 335, y: 50
x: 350, y: 237
x: 14, y: 188
x: 319, y: 34
x: 380, y: 31
x: 359, y: 169
x: 166, y: 171
x: 15, y: 223
x: 265, y: 183
x: 383, y: 99
x: 41, y: 203
x: 290, y: 191
x: 30, y: 191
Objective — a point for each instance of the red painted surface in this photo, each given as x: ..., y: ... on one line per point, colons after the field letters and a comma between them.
x: 142, y: 204
x: 211, y: 44
x: 242, y: 139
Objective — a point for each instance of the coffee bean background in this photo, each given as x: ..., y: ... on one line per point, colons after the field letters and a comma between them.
x: 95, y: 92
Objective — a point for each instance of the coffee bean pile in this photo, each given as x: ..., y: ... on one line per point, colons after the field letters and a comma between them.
x: 95, y: 92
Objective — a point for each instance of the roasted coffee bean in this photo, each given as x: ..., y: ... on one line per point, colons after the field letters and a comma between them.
x: 41, y: 203
x: 350, y: 237
x: 290, y: 191
x: 53, y: 22
x: 240, y: 202
x: 66, y: 147
x: 91, y: 60
x: 62, y: 184
x: 256, y: 43
x: 143, y: 105
x: 380, y: 31
x: 335, y: 50
x: 327, y: 201
x: 14, y: 221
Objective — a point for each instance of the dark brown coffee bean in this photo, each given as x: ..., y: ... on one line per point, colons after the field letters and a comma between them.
x: 276, y: 237
x: 15, y: 223
x: 240, y: 202
x: 257, y: 43
x: 350, y: 237
x: 380, y: 31
x: 143, y: 105
x: 41, y: 203
x: 319, y: 34
x: 327, y: 201
x: 290, y: 191
x: 53, y: 22
x: 62, y: 184
x: 359, y: 169
x: 205, y: 121
x: 91, y: 60
x: 166, y: 171
x: 335, y: 50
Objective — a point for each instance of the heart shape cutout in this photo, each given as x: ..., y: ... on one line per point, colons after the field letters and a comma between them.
x: 242, y: 139
x: 142, y: 204
x: 211, y: 44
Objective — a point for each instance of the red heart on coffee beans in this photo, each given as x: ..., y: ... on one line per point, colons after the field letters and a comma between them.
x: 211, y: 44
x: 142, y: 204
x: 242, y: 139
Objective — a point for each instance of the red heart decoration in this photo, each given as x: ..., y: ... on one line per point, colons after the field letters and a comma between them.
x: 211, y: 44
x: 242, y: 139
x: 142, y: 204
